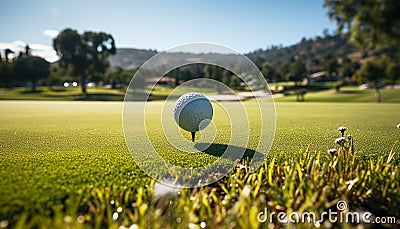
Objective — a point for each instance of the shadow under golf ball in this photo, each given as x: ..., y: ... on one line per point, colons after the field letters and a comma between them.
x: 231, y: 152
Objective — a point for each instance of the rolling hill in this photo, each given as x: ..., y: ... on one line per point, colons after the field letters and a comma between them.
x: 312, y: 51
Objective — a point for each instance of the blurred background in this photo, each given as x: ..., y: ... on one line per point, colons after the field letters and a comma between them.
x: 307, y: 51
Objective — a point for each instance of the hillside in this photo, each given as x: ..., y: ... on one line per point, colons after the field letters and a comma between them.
x: 313, y: 51
x: 130, y: 58
x: 134, y: 58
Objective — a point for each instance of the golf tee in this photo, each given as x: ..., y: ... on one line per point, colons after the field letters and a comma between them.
x: 193, y: 136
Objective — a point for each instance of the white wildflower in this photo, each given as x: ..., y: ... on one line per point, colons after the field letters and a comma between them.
x: 115, y: 216
x: 341, y: 141
x: 342, y: 129
x: 332, y: 151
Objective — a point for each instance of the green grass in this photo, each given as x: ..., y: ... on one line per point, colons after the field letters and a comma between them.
x: 347, y: 94
x: 69, y: 159
x: 94, y: 94
x: 62, y: 94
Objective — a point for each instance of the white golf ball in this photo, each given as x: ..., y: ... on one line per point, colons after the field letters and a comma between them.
x: 193, y: 112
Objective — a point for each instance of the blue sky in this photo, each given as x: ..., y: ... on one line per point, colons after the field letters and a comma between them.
x: 241, y: 25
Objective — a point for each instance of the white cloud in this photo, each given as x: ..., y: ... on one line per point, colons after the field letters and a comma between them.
x: 45, y: 51
x: 51, y: 33
x: 14, y: 46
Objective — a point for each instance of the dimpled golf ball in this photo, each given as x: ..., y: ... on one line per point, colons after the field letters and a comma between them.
x: 191, y: 109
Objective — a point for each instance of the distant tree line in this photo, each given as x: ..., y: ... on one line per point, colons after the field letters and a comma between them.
x: 84, y: 57
x: 296, y: 69
x: 24, y: 68
x: 195, y: 71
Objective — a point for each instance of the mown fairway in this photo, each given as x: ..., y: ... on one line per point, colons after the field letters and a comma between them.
x: 49, y: 150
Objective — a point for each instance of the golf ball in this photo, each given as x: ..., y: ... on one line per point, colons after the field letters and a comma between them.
x: 193, y: 112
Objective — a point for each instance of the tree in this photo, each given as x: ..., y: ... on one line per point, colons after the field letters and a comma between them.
x: 6, y: 73
x: 369, y: 22
x: 393, y: 72
x: 349, y: 68
x: 72, y: 52
x: 331, y: 66
x: 27, y: 51
x: 32, y: 68
x: 177, y: 76
x: 226, y: 76
x: 7, y: 52
x: 259, y: 61
x: 208, y: 71
x: 186, y: 74
x: 298, y: 71
x: 214, y: 72
x: 99, y: 47
x: 283, y: 70
x: 56, y: 75
x: 234, y: 82
x: 119, y: 76
x: 86, y: 54
x: 372, y: 72
x: 269, y: 72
